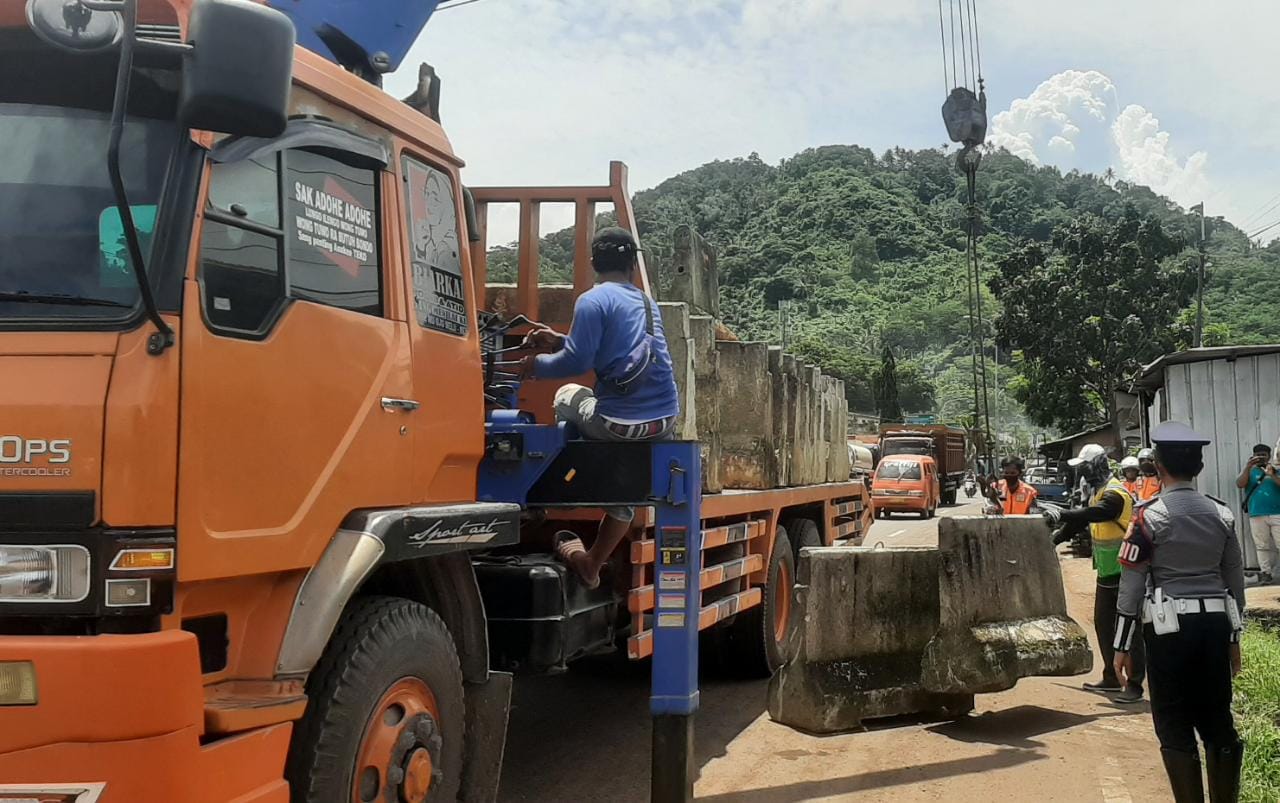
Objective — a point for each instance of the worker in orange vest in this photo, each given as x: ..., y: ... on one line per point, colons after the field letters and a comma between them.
x: 1129, y: 476
x: 1016, y: 497
x: 1148, y: 479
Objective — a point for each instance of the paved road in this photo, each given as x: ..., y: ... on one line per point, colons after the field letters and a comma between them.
x: 905, y: 529
x: 584, y: 736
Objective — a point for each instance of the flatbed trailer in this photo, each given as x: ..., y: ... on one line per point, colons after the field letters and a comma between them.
x: 751, y: 538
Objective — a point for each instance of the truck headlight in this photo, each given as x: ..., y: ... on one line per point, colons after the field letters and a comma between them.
x: 57, y: 573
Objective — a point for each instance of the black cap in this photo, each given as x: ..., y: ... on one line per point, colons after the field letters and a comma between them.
x: 613, y: 249
x: 1177, y: 434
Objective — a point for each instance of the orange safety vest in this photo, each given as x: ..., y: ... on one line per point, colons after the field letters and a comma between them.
x: 1134, y: 488
x: 1148, y: 487
x: 1020, y: 501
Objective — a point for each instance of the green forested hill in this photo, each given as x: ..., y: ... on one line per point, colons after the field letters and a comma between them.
x: 867, y: 250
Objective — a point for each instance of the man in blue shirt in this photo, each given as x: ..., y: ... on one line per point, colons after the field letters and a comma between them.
x: 1261, y: 483
x: 617, y: 334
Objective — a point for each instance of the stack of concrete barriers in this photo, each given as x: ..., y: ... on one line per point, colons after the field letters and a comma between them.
x: 910, y: 630
x: 765, y: 419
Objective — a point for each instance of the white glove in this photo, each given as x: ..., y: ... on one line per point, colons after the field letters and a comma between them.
x: 1052, y: 515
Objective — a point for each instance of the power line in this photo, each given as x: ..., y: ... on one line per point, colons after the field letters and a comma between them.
x: 1264, y: 229
x: 1258, y: 215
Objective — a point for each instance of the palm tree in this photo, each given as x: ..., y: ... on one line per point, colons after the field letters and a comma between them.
x: 1109, y: 176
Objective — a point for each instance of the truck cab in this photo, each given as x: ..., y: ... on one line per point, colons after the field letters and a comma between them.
x: 192, y: 490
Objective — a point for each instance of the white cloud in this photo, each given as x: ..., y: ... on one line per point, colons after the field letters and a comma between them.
x: 1144, y: 156
x: 1073, y: 120
x: 1063, y: 122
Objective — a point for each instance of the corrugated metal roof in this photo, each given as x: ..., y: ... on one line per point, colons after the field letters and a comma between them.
x: 1152, y: 376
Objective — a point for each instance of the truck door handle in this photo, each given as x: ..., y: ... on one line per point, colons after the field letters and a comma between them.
x: 407, y: 405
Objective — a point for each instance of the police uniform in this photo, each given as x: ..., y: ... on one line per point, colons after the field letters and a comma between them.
x: 1182, y: 593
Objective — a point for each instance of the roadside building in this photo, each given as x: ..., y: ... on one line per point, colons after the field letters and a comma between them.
x: 1230, y: 394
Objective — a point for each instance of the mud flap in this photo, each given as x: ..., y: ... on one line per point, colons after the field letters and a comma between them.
x: 488, y: 705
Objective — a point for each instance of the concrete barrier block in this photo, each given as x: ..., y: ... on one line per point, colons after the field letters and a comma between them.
x: 679, y: 334
x: 867, y: 616
x: 746, y: 416
x: 706, y: 371
x: 1003, y: 609
x: 783, y: 414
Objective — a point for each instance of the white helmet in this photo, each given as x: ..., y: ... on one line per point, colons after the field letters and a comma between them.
x: 1088, y: 453
x: 1128, y: 462
x: 1147, y: 454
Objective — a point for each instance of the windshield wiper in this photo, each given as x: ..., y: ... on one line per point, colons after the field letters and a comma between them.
x: 70, y: 301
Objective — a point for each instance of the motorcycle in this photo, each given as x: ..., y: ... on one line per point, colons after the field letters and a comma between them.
x: 970, y: 487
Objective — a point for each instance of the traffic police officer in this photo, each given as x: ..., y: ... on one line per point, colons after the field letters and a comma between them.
x: 1182, y: 593
x: 1107, y: 518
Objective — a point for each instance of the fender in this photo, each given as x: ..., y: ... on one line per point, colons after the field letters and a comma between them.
x: 372, y: 538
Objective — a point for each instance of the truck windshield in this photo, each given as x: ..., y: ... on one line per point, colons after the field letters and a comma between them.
x: 62, y: 250
x: 908, y: 446
x: 899, y: 470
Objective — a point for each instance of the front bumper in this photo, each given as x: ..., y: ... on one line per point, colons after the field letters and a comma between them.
x: 123, y: 715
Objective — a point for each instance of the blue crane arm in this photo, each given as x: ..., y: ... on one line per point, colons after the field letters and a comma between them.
x: 358, y: 33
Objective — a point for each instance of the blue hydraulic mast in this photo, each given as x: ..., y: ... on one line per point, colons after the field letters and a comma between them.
x: 367, y: 37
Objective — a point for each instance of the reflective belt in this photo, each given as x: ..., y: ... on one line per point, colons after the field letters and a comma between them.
x: 1188, y: 607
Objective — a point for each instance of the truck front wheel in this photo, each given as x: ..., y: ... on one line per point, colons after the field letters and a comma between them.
x: 385, y: 710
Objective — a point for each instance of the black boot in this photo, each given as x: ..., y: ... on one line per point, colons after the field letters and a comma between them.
x: 1184, y: 775
x: 1223, y: 764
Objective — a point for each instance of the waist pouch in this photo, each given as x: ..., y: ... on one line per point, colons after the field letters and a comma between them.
x: 635, y: 364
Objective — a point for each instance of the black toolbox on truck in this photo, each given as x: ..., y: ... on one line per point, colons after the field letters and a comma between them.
x: 540, y: 615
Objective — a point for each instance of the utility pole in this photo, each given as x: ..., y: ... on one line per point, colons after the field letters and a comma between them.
x: 1198, y: 341
x: 784, y: 320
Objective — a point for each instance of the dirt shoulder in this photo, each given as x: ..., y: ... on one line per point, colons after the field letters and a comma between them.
x: 584, y: 736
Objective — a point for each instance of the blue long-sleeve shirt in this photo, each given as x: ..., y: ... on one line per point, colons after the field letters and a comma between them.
x: 609, y: 320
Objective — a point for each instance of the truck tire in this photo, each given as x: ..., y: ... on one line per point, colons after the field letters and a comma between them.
x: 385, y: 710
x: 949, y: 497
x: 762, y: 637
x: 803, y: 533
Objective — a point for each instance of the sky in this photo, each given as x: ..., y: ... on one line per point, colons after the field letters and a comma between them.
x: 1179, y: 95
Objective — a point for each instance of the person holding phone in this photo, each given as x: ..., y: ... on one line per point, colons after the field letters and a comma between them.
x: 1261, y: 484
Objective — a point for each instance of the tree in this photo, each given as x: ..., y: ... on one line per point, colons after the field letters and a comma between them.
x: 1088, y: 310
x: 886, y: 386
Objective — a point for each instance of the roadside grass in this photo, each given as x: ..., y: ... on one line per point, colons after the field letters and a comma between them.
x: 1257, y: 705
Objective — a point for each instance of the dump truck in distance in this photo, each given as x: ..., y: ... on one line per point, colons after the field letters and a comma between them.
x: 944, y: 444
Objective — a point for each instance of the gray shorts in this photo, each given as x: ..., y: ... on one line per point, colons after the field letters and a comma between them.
x: 576, y: 404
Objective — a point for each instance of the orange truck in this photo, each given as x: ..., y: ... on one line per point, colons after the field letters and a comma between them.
x: 242, y: 417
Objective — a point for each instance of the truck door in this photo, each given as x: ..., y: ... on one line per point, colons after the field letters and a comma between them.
x: 296, y: 386
x: 449, y: 435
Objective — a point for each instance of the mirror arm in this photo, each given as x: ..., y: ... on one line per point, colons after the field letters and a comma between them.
x: 163, y: 337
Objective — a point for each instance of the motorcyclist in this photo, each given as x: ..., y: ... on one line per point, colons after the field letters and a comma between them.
x: 1107, y: 515
x: 1148, y: 480
x: 1130, y: 479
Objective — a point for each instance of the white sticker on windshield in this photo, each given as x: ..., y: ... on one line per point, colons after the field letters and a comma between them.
x: 222, y: 304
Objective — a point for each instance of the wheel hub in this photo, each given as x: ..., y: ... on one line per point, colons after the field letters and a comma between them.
x: 399, y: 758
x: 414, y: 761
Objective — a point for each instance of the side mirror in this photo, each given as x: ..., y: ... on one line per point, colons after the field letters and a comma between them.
x: 238, y: 74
